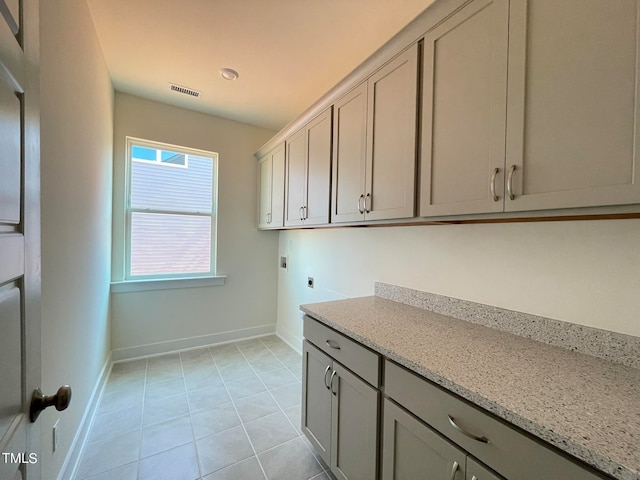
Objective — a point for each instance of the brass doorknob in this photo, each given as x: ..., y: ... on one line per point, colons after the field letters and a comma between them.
x: 39, y: 402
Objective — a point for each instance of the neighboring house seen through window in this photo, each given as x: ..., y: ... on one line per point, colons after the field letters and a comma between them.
x: 171, y: 211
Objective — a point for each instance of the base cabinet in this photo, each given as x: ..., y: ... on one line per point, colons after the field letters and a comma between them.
x: 412, y: 450
x: 340, y: 416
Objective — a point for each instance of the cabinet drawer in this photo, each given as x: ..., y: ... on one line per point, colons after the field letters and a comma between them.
x: 508, y: 451
x: 356, y: 357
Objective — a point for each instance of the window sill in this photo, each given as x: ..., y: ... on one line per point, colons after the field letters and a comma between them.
x: 166, y: 284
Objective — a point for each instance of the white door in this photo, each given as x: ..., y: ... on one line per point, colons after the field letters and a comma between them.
x: 19, y: 238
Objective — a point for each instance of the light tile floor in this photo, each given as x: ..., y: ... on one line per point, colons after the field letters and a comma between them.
x: 228, y: 412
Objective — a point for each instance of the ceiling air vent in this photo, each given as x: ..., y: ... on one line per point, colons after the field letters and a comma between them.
x: 185, y: 90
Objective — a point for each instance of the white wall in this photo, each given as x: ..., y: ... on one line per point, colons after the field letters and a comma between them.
x: 76, y: 158
x: 247, y: 256
x: 584, y: 272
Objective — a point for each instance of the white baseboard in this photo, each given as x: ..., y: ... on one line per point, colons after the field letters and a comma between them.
x: 291, y: 339
x: 161, y: 348
x: 71, y: 462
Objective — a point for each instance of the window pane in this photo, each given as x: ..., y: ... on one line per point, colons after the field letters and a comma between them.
x: 172, y: 158
x: 143, y: 153
x: 170, y: 244
x: 157, y: 186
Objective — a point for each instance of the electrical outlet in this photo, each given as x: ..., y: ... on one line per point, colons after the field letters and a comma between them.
x: 56, y: 435
x: 283, y: 262
x: 310, y: 282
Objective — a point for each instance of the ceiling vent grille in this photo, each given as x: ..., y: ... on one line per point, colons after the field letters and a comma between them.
x: 187, y: 91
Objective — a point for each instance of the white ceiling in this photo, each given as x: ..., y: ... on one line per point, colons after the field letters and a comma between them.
x: 288, y: 52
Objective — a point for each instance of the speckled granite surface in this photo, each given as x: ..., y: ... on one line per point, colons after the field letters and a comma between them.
x: 585, y: 406
x: 612, y: 346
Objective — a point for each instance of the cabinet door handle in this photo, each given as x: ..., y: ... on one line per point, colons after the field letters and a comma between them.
x: 367, y: 210
x: 325, y: 376
x: 454, y: 470
x: 510, y: 183
x: 474, y: 478
x: 492, y: 184
x: 360, y: 209
x: 464, y: 432
x: 300, y: 213
x: 333, y: 344
x: 305, y: 213
x: 331, y: 382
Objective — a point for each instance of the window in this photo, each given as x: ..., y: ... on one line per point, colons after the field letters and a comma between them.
x: 170, y: 211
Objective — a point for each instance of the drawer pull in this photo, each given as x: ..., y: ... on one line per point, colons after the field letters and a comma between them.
x: 333, y: 344
x: 454, y: 469
x: 331, y: 382
x: 325, y: 376
x: 464, y: 432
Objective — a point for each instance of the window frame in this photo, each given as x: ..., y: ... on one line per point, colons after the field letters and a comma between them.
x: 159, y: 278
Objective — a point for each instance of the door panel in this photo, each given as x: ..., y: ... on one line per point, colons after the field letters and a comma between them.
x: 349, y: 155
x: 316, y: 399
x: 10, y: 162
x: 464, y: 111
x: 318, y: 170
x: 296, y: 172
x: 266, y: 174
x: 19, y: 237
x: 573, y: 103
x: 391, y: 138
x: 475, y: 471
x: 412, y: 450
x: 277, y: 188
x: 354, y: 429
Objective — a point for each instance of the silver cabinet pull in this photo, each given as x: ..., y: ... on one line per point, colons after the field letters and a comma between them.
x: 300, y: 213
x: 305, y: 213
x: 454, y: 470
x: 464, y: 432
x: 367, y: 210
x: 325, y: 376
x: 474, y: 478
x: 331, y: 382
x: 510, y: 183
x: 360, y: 209
x: 333, y: 344
x: 493, y: 184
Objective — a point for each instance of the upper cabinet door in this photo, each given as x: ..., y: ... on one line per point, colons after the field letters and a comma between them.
x: 572, y: 129
x: 316, y: 211
x: 265, y: 166
x: 276, y: 219
x: 271, y: 185
x: 349, y: 156
x: 296, y: 178
x: 391, y: 138
x: 464, y: 111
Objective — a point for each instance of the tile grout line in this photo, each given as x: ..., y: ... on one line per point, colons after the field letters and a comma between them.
x: 300, y: 381
x: 224, y: 383
x: 144, y: 394
x: 277, y: 403
x: 193, y: 433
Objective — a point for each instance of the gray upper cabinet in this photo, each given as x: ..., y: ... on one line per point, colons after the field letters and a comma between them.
x: 375, y: 145
x: 349, y: 156
x: 572, y: 131
x: 308, y: 173
x: 530, y: 105
x: 271, y: 188
x: 463, y: 111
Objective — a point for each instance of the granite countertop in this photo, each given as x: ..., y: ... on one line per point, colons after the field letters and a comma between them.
x: 585, y: 406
